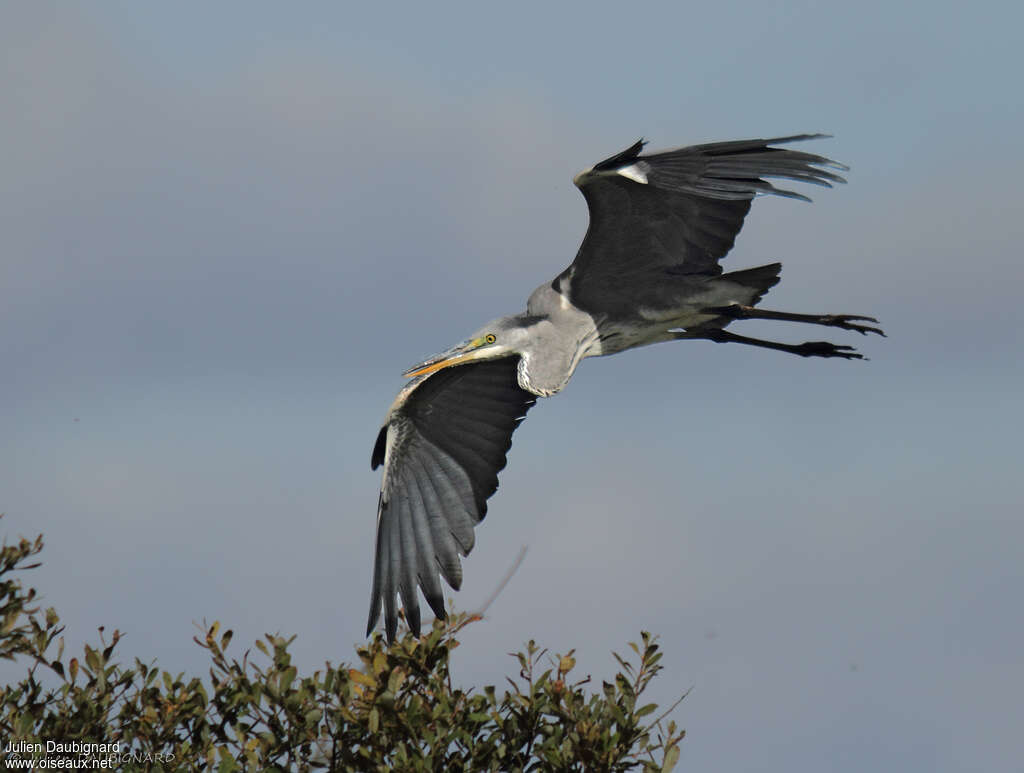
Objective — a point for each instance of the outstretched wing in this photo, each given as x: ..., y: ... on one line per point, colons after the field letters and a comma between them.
x: 674, y: 213
x: 442, y: 449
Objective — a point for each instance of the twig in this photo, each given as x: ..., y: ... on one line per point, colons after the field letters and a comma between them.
x: 671, y: 708
x: 501, y: 585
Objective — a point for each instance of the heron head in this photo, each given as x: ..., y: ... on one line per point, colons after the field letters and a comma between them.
x: 499, y: 338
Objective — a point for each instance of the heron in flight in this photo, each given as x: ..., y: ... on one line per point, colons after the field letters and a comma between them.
x: 647, y: 272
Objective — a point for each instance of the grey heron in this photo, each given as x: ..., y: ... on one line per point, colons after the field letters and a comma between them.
x: 647, y: 271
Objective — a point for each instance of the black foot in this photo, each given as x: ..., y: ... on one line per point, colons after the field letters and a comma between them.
x: 826, y: 349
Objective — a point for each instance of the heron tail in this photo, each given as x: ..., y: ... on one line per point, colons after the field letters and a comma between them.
x: 759, y: 279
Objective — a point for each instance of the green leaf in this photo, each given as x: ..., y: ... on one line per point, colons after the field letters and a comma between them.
x: 287, y: 677
x: 92, y: 659
x: 228, y: 764
x: 671, y: 758
x: 312, y: 716
x: 361, y: 678
x: 643, y: 711
x: 395, y: 680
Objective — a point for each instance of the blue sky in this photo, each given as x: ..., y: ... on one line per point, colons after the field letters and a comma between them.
x: 228, y: 229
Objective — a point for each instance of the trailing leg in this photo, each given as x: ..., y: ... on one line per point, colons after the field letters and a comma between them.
x: 844, y: 321
x: 806, y: 349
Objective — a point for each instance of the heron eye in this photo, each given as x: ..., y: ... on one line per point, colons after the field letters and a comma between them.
x: 489, y: 338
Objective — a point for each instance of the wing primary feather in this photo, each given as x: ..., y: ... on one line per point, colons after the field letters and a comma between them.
x: 694, y: 169
x: 459, y: 501
x: 377, y: 457
x: 747, y: 146
x: 619, y: 159
x: 447, y: 552
x: 797, y: 172
x: 425, y: 550
x: 407, y: 564
x: 475, y: 470
x: 379, y: 568
x: 394, y: 559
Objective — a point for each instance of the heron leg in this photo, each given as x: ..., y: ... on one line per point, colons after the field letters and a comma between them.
x: 844, y: 321
x: 806, y: 349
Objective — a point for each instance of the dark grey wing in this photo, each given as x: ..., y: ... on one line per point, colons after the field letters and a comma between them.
x: 676, y: 213
x: 442, y: 449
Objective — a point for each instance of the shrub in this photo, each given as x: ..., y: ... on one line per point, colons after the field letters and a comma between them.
x: 397, y: 710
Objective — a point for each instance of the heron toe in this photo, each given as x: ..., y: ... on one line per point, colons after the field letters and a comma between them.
x: 845, y: 322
